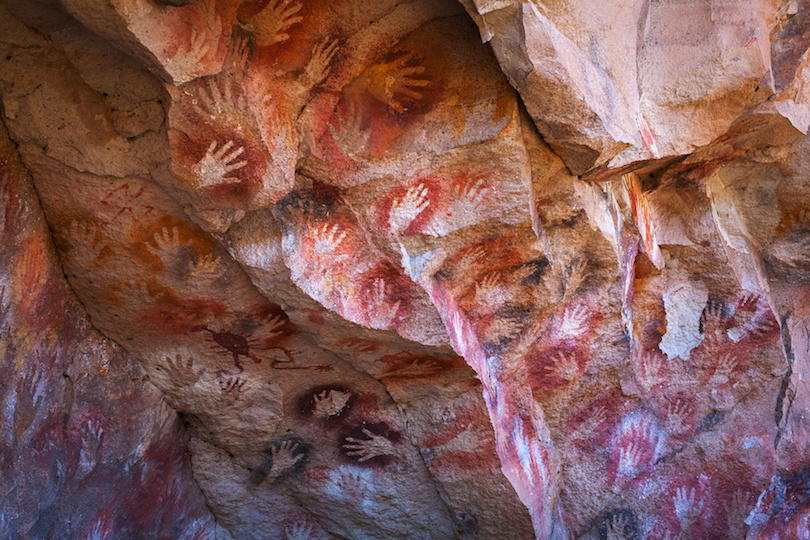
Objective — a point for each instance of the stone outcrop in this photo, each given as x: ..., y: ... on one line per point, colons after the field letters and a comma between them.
x: 428, y: 269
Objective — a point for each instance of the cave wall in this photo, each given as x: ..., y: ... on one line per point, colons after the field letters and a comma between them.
x: 427, y: 269
x: 89, y: 445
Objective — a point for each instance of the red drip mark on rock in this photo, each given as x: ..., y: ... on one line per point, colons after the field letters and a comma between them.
x: 239, y: 346
x: 647, y: 137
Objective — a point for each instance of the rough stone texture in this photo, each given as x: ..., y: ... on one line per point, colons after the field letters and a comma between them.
x: 338, y: 269
x: 89, y: 446
x: 609, y: 83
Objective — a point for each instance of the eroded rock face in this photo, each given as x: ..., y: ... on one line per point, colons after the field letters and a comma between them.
x: 90, y: 447
x: 341, y: 270
x: 616, y: 83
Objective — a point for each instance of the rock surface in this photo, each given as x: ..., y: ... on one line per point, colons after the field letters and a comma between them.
x: 315, y: 269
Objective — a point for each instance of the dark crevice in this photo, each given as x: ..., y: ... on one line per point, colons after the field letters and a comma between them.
x: 197, y: 482
x: 782, y: 412
x: 439, y: 491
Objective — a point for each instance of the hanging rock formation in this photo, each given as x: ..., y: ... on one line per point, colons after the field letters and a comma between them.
x: 434, y: 269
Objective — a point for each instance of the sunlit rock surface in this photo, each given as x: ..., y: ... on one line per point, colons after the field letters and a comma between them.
x: 304, y: 269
